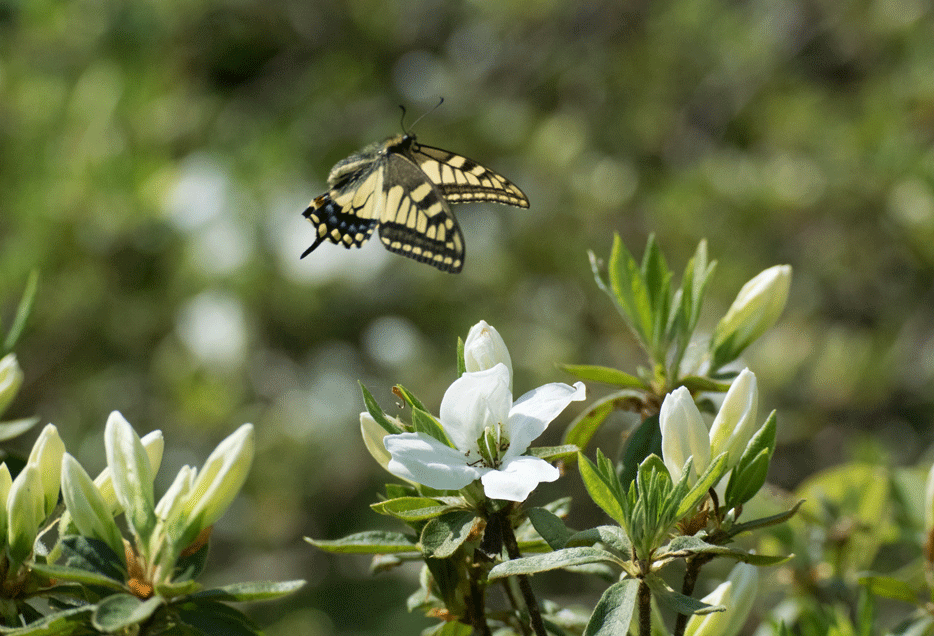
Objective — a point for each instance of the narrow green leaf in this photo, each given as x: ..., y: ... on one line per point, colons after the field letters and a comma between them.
x: 683, y: 547
x: 412, y: 508
x: 744, y: 485
x: 550, y: 527
x: 461, y: 362
x: 72, y: 620
x: 600, y: 491
x: 697, y: 384
x: 582, y: 429
x: 76, y: 575
x: 678, y: 603
x: 630, y: 292
x: 369, y: 542
x: 554, y: 453
x: 704, y: 483
x: 891, y: 587
x: 409, y: 398
x: 606, y: 375
x: 552, y: 561
x: 374, y: 409
x: 613, y: 613
x: 612, y: 536
x: 22, y: 312
x: 251, y: 591
x: 119, y: 611
x: 765, y: 522
x: 424, y: 422
x: 443, y: 535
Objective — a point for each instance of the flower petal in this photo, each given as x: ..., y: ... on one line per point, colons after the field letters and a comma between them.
x: 517, y: 478
x: 423, y: 459
x: 473, y: 402
x: 531, y: 414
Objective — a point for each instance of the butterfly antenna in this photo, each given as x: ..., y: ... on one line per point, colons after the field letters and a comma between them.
x: 433, y: 108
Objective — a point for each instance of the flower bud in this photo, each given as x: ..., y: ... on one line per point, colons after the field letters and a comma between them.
x: 47, y: 456
x: 485, y: 348
x: 757, y: 307
x: 25, y: 511
x: 683, y: 435
x: 11, y: 378
x: 737, y: 594
x: 132, y: 474
x: 6, y: 482
x: 218, y: 482
x: 735, y: 424
x: 154, y: 444
x: 89, y: 512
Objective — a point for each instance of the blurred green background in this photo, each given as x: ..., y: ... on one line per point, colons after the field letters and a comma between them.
x: 155, y: 157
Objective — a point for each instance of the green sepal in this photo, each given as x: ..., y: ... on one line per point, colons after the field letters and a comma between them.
x: 374, y: 409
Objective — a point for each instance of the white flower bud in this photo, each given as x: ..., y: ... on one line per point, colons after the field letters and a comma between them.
x: 11, y: 378
x: 683, y: 435
x: 735, y: 424
x: 757, y: 307
x: 485, y: 348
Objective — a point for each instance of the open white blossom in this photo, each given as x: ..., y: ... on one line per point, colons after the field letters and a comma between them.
x: 489, y: 433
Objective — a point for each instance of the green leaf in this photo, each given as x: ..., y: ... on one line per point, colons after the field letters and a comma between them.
x: 370, y: 542
x: 22, y: 312
x: 92, y: 555
x: 119, y: 611
x: 630, y: 292
x: 211, y: 617
x: 744, y: 485
x: 443, y: 535
x: 644, y: 440
x: 374, y: 409
x: 409, y: 398
x: 461, y: 362
x: 424, y: 422
x: 698, y: 384
x: 765, y: 522
x: 251, y: 591
x: 15, y: 428
x: 554, y: 453
x: 412, y: 508
x: 584, y: 426
x: 552, y: 561
x: 613, y: 613
x: 683, y: 547
x: 890, y: 587
x: 175, y: 589
x: 606, y: 375
x: 704, y: 483
x: 678, y: 603
x: 57, y: 624
x: 612, y: 536
x: 550, y: 527
x: 600, y: 491
x: 449, y: 628
x: 77, y: 575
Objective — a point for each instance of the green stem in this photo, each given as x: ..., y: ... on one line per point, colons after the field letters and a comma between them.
x: 691, y: 572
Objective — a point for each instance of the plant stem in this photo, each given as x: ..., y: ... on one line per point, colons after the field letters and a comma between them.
x: 512, y: 549
x: 644, y: 600
x: 477, y: 605
x: 692, y: 570
x: 514, y: 604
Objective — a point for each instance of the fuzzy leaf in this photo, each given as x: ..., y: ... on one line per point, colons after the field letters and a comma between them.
x: 613, y: 613
x: 370, y: 542
x: 606, y: 375
x: 552, y: 561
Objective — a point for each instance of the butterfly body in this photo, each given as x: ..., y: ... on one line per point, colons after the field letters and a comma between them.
x: 404, y: 190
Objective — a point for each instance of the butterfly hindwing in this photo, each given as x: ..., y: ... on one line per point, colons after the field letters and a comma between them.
x: 416, y: 220
x: 405, y: 189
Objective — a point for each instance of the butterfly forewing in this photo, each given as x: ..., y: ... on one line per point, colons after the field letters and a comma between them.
x: 462, y: 180
x: 405, y: 189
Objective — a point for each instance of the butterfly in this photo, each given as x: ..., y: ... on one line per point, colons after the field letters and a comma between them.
x: 404, y: 190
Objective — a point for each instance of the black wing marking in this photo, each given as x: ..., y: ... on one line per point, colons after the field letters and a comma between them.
x: 461, y: 180
x: 348, y: 213
x: 416, y: 221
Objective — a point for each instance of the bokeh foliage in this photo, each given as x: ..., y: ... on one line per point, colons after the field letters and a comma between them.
x: 155, y: 157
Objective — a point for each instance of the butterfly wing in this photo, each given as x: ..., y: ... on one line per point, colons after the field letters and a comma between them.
x: 461, y: 180
x: 348, y: 213
x: 416, y: 221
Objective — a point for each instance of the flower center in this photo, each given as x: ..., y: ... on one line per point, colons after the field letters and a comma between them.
x: 492, y: 444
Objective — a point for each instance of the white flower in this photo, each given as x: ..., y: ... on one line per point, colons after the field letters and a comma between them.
x: 485, y: 348
x: 683, y: 435
x: 735, y: 423
x: 489, y: 432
